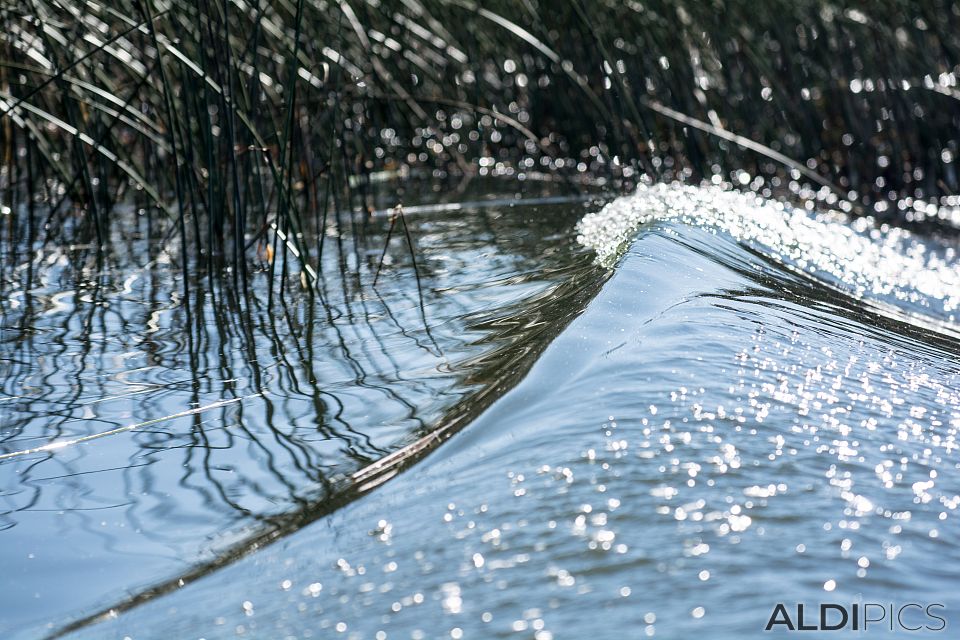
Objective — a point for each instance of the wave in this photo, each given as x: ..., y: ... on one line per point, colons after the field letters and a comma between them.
x: 866, y: 260
x: 719, y: 429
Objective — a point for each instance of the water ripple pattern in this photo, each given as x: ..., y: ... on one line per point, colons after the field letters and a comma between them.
x: 138, y: 443
x: 719, y: 431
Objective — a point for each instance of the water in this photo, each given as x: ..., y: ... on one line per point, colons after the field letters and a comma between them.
x: 134, y: 451
x: 756, y: 404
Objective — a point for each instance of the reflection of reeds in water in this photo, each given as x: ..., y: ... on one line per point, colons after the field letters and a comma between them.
x: 191, y: 433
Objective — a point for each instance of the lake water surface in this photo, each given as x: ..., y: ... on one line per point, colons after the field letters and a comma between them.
x: 743, y: 403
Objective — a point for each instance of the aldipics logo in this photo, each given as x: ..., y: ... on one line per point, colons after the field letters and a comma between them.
x: 864, y: 616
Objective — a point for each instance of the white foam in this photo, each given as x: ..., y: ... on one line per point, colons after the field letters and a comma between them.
x: 857, y: 255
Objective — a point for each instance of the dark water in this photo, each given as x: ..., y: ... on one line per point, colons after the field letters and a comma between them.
x: 760, y: 405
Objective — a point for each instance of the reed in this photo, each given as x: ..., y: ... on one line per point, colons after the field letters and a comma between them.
x: 242, y: 124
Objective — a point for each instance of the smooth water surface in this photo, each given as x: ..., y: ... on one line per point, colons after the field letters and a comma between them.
x: 738, y: 418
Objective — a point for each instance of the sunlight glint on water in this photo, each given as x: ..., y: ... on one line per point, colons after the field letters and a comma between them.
x: 885, y: 263
x: 721, y: 429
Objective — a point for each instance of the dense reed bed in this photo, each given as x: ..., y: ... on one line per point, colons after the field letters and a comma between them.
x: 240, y: 125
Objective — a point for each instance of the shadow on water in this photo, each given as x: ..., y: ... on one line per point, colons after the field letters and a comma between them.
x: 253, y: 421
